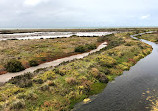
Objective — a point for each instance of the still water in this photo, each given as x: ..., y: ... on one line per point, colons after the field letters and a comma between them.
x: 134, y: 90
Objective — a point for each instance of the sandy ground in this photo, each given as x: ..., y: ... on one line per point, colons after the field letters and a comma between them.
x: 5, y: 77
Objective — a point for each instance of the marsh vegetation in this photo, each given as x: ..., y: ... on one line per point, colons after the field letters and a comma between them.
x: 69, y: 83
x: 153, y: 37
x: 28, y: 53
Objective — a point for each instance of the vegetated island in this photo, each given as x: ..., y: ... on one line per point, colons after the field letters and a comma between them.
x: 69, y: 83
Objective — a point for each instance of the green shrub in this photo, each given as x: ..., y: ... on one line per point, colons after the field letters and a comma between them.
x: 31, y: 96
x: 71, y: 80
x: 101, y: 39
x: 22, y: 80
x: 80, y: 49
x: 43, y: 59
x: 51, y: 83
x: 18, y: 104
x: 44, y: 88
x: 90, y: 46
x: 25, y: 83
x: 84, y: 48
x: 38, y: 81
x: 104, y: 38
x: 106, y: 61
x: 14, y: 66
x: 33, y: 63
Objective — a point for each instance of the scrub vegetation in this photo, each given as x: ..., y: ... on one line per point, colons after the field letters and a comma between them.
x: 153, y: 37
x: 28, y: 53
x: 60, y: 88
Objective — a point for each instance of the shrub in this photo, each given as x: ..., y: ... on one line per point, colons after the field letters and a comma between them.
x: 40, y: 70
x: 103, y: 38
x: 123, y: 67
x: 21, y: 96
x: 104, y: 70
x: 43, y: 59
x: 22, y: 80
x: 87, y: 85
x: 113, y: 42
x: 115, y: 71
x: 84, y: 48
x: 94, y: 72
x: 31, y: 96
x: 25, y: 83
x: 90, y: 46
x: 18, y: 104
x: 14, y: 66
x: 80, y: 49
x: 60, y: 71
x: 99, y: 75
x: 71, y: 80
x: 50, y: 83
x: 33, y: 63
x: 106, y: 60
x: 102, y: 78
x: 44, y: 87
x: 38, y: 81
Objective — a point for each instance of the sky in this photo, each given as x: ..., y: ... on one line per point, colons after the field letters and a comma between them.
x: 78, y: 13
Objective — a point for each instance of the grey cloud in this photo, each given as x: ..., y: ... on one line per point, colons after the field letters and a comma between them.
x: 76, y: 13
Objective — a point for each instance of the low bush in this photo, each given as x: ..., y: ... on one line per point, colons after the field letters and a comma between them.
x: 113, y: 42
x: 14, y: 66
x: 102, y: 78
x: 38, y: 81
x: 104, y: 38
x: 71, y: 80
x: 87, y: 86
x: 106, y: 61
x: 22, y: 80
x: 84, y: 48
x: 31, y: 96
x: 33, y: 63
x: 25, y: 83
x: 80, y: 49
x: 98, y: 75
x: 50, y: 83
x: 17, y: 105
x: 90, y: 46
x: 94, y: 72
x: 44, y: 87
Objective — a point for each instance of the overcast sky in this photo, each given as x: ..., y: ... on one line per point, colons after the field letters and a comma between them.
x: 77, y: 13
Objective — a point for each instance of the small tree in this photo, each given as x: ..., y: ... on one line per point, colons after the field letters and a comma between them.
x: 14, y: 66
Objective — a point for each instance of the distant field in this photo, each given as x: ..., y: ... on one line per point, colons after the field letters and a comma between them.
x: 40, y: 50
